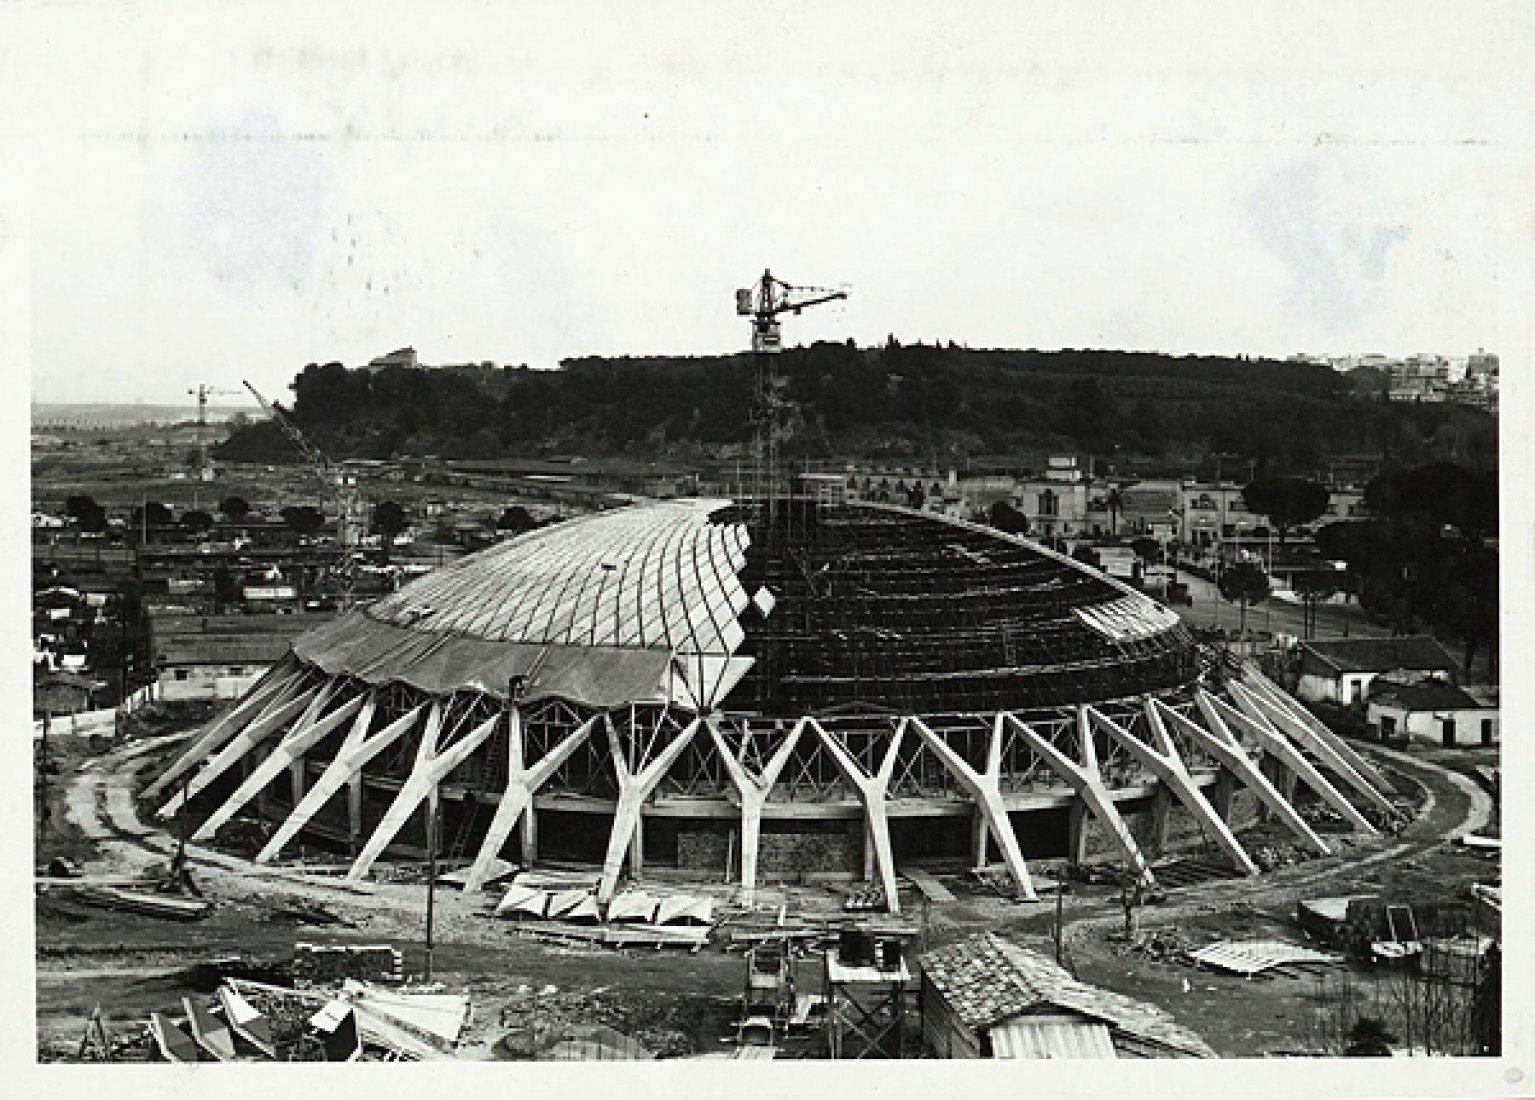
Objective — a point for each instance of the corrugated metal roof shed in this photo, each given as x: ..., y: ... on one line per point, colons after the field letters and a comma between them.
x: 1051, y: 1037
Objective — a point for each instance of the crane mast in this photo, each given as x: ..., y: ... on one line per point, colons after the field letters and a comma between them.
x: 202, y: 393
x: 338, y: 485
x: 764, y: 304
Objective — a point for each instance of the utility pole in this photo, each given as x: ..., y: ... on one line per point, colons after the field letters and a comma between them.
x: 433, y: 817
x: 42, y: 776
x: 1060, y: 904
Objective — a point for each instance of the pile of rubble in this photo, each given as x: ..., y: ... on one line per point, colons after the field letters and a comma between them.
x: 536, y: 1021
x: 253, y: 1021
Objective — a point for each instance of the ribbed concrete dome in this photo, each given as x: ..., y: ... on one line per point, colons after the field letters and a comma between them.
x: 704, y: 604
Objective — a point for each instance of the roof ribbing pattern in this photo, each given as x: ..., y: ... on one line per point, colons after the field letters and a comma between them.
x: 654, y: 577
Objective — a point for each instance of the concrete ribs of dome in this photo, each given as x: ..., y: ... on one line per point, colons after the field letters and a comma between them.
x: 694, y: 603
x: 640, y: 605
x: 326, y: 739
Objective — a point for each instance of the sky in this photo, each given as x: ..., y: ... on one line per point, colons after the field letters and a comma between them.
x: 221, y: 194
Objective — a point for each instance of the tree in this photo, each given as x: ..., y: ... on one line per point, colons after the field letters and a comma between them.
x: 516, y: 519
x: 303, y: 518
x: 226, y: 589
x: 1313, y: 586
x: 389, y: 519
x: 235, y: 508
x: 196, y: 519
x: 1146, y: 549
x: 1369, y: 1038
x: 151, y: 514
x: 1114, y: 502
x: 1004, y: 517
x: 1286, y: 501
x: 1088, y: 556
x: 1244, y: 584
x: 87, y: 514
x: 1438, y: 495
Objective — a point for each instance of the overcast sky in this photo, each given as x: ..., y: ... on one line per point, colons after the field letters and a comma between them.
x: 218, y: 198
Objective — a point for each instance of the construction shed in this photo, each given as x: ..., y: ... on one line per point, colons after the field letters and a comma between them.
x: 1431, y: 710
x: 1341, y: 670
x: 986, y: 997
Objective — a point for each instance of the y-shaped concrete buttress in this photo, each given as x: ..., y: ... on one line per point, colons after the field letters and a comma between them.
x: 1083, y: 778
x: 1257, y: 683
x: 237, y: 746
x: 1219, y: 742
x: 1278, y: 746
x: 274, y: 688
x: 356, y: 751
x: 1162, y: 759
x: 753, y: 790
x: 421, y: 785
x: 522, y: 782
x: 292, y: 748
x: 633, y: 789
x: 871, y: 792
x: 985, y: 787
x: 1262, y: 709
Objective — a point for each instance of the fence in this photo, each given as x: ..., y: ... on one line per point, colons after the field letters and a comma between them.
x: 96, y: 721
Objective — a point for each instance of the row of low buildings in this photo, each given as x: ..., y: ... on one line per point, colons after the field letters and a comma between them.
x: 1406, y: 686
x: 1429, y: 377
x: 1065, y: 501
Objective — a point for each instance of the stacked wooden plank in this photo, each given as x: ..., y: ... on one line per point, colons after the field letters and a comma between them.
x: 1249, y: 957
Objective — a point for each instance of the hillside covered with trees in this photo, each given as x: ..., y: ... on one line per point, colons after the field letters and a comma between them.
x: 889, y: 402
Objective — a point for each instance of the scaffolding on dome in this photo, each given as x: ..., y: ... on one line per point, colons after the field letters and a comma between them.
x: 900, y: 664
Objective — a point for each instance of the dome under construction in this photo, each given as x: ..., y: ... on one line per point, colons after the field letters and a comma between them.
x: 769, y: 691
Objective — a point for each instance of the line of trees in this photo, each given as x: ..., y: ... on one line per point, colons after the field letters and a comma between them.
x: 1429, y: 554
x: 843, y: 399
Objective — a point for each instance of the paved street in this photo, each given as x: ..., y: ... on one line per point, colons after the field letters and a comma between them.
x: 1272, y: 615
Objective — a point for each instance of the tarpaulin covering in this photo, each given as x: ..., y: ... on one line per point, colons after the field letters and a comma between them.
x: 358, y: 645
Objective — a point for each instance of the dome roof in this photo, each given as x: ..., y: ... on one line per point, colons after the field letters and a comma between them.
x: 701, y: 603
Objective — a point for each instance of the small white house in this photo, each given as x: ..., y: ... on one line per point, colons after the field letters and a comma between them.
x: 1431, y: 710
x: 1342, y: 670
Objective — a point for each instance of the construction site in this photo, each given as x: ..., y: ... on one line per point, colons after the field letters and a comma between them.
x: 772, y: 776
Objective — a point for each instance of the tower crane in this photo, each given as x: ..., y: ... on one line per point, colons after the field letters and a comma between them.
x: 340, y: 485
x: 764, y: 304
x: 772, y: 297
x: 202, y: 393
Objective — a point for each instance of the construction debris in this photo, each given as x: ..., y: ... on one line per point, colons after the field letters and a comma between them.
x: 245, y: 1021
x: 1249, y: 957
x: 1482, y: 843
x: 321, y: 964
x: 634, y: 918
x: 171, y: 1039
x: 933, y: 890
x: 255, y: 1021
x: 305, y: 912
x: 865, y: 900
x: 499, y: 869
x: 150, y: 905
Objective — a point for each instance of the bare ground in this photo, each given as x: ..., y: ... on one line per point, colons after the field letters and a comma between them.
x: 676, y: 1003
